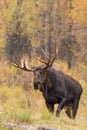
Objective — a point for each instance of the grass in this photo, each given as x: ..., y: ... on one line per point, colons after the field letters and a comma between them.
x: 28, y: 107
x: 22, y: 107
x: 63, y: 123
x: 21, y: 115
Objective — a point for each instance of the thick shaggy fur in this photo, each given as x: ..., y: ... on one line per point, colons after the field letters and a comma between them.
x: 58, y: 88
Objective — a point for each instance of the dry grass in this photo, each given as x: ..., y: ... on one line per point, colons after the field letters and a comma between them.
x: 28, y: 107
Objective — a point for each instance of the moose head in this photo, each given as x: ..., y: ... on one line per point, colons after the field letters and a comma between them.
x: 56, y: 86
x: 40, y: 72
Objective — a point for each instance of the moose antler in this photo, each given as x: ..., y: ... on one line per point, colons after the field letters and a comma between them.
x: 50, y: 62
x: 23, y: 64
x: 45, y: 55
x: 56, y: 52
x: 38, y: 58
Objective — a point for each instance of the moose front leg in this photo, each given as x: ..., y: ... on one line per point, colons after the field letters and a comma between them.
x: 60, y: 106
x: 50, y: 107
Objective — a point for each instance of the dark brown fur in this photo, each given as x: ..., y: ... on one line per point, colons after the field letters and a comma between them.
x: 58, y: 88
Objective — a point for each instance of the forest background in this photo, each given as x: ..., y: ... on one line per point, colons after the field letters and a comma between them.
x: 27, y: 26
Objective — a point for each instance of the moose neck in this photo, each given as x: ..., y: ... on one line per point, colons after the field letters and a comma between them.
x: 50, y: 78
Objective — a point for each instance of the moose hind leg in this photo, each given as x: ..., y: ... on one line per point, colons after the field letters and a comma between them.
x: 75, y: 108
x: 69, y: 111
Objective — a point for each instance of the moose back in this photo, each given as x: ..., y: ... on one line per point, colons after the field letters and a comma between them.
x: 56, y: 87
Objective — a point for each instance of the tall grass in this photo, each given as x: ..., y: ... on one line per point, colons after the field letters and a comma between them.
x: 22, y: 106
x: 13, y: 104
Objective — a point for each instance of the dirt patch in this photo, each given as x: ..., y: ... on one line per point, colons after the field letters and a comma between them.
x: 13, y: 126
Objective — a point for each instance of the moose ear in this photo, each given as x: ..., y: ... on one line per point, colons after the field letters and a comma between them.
x: 49, y: 84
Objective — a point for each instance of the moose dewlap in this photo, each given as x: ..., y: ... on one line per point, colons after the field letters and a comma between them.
x: 56, y: 87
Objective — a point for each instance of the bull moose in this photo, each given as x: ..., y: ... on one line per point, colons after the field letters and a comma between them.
x: 56, y: 86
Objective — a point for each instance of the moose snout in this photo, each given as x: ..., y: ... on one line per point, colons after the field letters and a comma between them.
x: 37, y: 85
